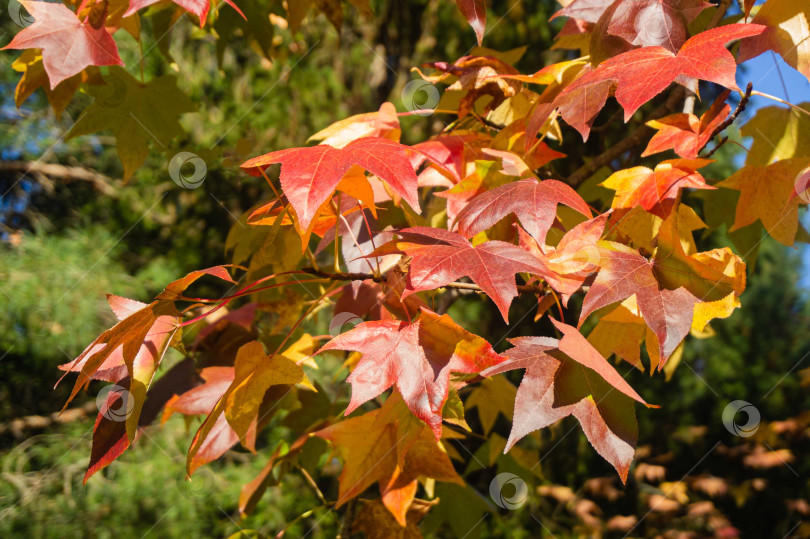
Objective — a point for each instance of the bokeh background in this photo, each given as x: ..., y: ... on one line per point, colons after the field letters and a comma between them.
x: 72, y: 233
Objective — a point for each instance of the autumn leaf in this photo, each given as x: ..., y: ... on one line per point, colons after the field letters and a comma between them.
x: 475, y: 11
x: 196, y: 7
x: 657, y: 191
x: 439, y: 257
x: 569, y: 377
x: 777, y: 133
x: 787, y: 32
x: 132, y: 333
x: 381, y: 124
x: 254, y: 373
x: 310, y: 175
x: 136, y: 113
x: 574, y: 259
x: 390, y: 447
x: 686, y: 133
x: 417, y: 357
x: 767, y: 195
x: 33, y: 76
x: 478, y: 76
x: 623, y: 272
x: 494, y: 395
x: 641, y: 74
x: 533, y: 202
x: 68, y: 44
x: 376, y: 522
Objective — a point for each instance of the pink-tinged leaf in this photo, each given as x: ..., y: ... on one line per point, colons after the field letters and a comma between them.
x: 417, y: 357
x: 577, y: 347
x: 475, y: 12
x: 440, y: 257
x: 110, y: 438
x: 640, y: 22
x: 573, y: 260
x: 641, y: 74
x: 623, y: 273
x: 219, y: 440
x: 534, y: 203
x: 569, y: 378
x: 310, y: 175
x: 68, y: 44
x: 196, y: 7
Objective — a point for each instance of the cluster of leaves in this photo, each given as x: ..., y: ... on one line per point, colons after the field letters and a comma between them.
x: 479, y: 208
x: 67, y: 43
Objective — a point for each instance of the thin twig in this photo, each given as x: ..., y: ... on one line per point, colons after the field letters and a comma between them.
x: 350, y: 276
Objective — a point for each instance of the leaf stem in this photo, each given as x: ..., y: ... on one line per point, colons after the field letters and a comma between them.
x: 773, y: 97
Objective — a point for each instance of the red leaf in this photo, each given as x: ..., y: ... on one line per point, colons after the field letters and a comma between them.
x: 197, y: 7
x: 475, y: 12
x: 685, y: 133
x: 416, y: 357
x: 68, y: 44
x: 440, y: 257
x: 578, y: 382
x: 656, y: 190
x: 624, y: 272
x: 310, y: 175
x: 534, y: 203
x: 641, y: 74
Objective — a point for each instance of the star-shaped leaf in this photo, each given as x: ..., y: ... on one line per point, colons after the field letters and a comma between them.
x: 439, y: 257
x: 68, y: 44
x: 623, y: 273
x: 390, y: 447
x: 533, y: 202
x: 569, y: 377
x: 310, y: 175
x: 788, y: 33
x: 656, y: 190
x: 417, y: 357
x: 136, y: 112
x: 767, y: 194
x: 686, y: 133
x: 641, y: 74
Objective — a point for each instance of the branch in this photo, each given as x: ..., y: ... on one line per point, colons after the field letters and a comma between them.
x: 62, y: 172
x: 730, y: 120
x: 637, y: 137
x: 17, y: 427
x: 341, y: 276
